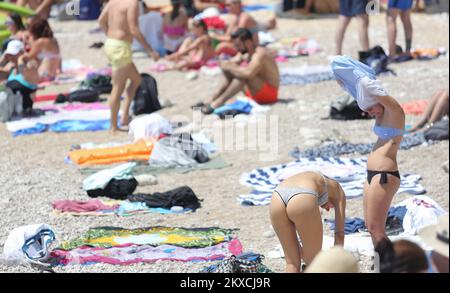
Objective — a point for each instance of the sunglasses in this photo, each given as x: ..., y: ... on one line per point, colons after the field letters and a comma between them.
x: 9, y: 22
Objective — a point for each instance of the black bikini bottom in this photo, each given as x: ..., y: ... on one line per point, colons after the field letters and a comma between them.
x: 384, y: 177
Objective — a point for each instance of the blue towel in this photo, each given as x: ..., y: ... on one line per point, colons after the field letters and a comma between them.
x: 349, y: 71
x: 238, y: 105
x: 352, y: 225
x: 66, y: 126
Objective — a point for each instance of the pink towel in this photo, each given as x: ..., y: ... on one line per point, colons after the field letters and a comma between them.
x: 92, y: 205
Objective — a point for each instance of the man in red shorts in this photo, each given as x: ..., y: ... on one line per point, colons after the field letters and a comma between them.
x: 259, y: 79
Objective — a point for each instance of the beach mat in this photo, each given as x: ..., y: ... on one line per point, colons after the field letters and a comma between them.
x: 131, y: 254
x: 107, y: 237
x: 143, y: 168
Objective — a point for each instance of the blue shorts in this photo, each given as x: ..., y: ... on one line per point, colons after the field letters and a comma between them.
x: 352, y: 8
x: 400, y: 4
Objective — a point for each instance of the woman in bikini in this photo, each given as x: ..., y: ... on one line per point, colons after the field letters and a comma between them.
x: 383, y: 177
x: 175, y: 26
x: 194, y: 53
x: 44, y: 49
x: 295, y: 209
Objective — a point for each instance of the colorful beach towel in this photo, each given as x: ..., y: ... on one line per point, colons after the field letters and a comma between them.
x: 350, y: 173
x: 96, y: 207
x: 130, y: 254
x: 183, y: 237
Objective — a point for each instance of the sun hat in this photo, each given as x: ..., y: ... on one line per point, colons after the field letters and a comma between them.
x: 334, y: 260
x: 436, y: 236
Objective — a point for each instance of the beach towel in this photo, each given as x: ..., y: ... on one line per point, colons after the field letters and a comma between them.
x: 107, y: 237
x: 427, y: 53
x: 214, y: 163
x: 76, y: 206
x: 100, y: 179
x: 350, y: 173
x: 421, y: 211
x: 295, y: 47
x: 415, y: 107
x: 130, y: 254
x: 336, y: 148
x: 95, y: 207
x: 61, y: 121
x: 138, y: 151
x: 305, y: 75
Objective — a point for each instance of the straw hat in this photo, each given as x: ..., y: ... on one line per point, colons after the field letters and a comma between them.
x: 334, y: 260
x: 436, y: 236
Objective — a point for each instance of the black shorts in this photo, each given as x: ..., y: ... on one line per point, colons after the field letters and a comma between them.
x: 352, y: 8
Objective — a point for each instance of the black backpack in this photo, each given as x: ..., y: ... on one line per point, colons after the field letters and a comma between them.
x: 146, y: 99
x: 346, y: 108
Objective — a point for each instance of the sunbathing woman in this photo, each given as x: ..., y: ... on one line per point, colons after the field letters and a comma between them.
x: 194, y: 52
x: 436, y: 109
x: 295, y: 209
x: 44, y: 49
x: 175, y: 27
x: 383, y: 178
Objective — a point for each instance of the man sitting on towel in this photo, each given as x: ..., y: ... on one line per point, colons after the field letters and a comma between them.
x: 254, y: 72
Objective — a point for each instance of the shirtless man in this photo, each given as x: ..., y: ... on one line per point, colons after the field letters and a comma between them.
x: 237, y: 19
x: 41, y: 7
x: 260, y: 79
x: 119, y: 20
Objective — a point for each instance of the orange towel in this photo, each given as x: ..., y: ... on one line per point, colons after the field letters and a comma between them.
x: 138, y: 151
x: 415, y: 107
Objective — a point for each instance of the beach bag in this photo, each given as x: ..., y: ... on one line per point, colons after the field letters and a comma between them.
x: 346, y: 108
x: 146, y: 99
x: 376, y: 59
x: 89, y: 9
x: 29, y: 244
x: 243, y: 264
x: 439, y: 131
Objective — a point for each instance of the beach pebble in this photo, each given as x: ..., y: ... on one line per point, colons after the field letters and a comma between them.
x: 192, y: 75
x: 177, y: 209
x: 269, y: 234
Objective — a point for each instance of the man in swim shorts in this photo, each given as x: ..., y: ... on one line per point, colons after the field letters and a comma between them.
x: 258, y: 77
x: 119, y: 20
